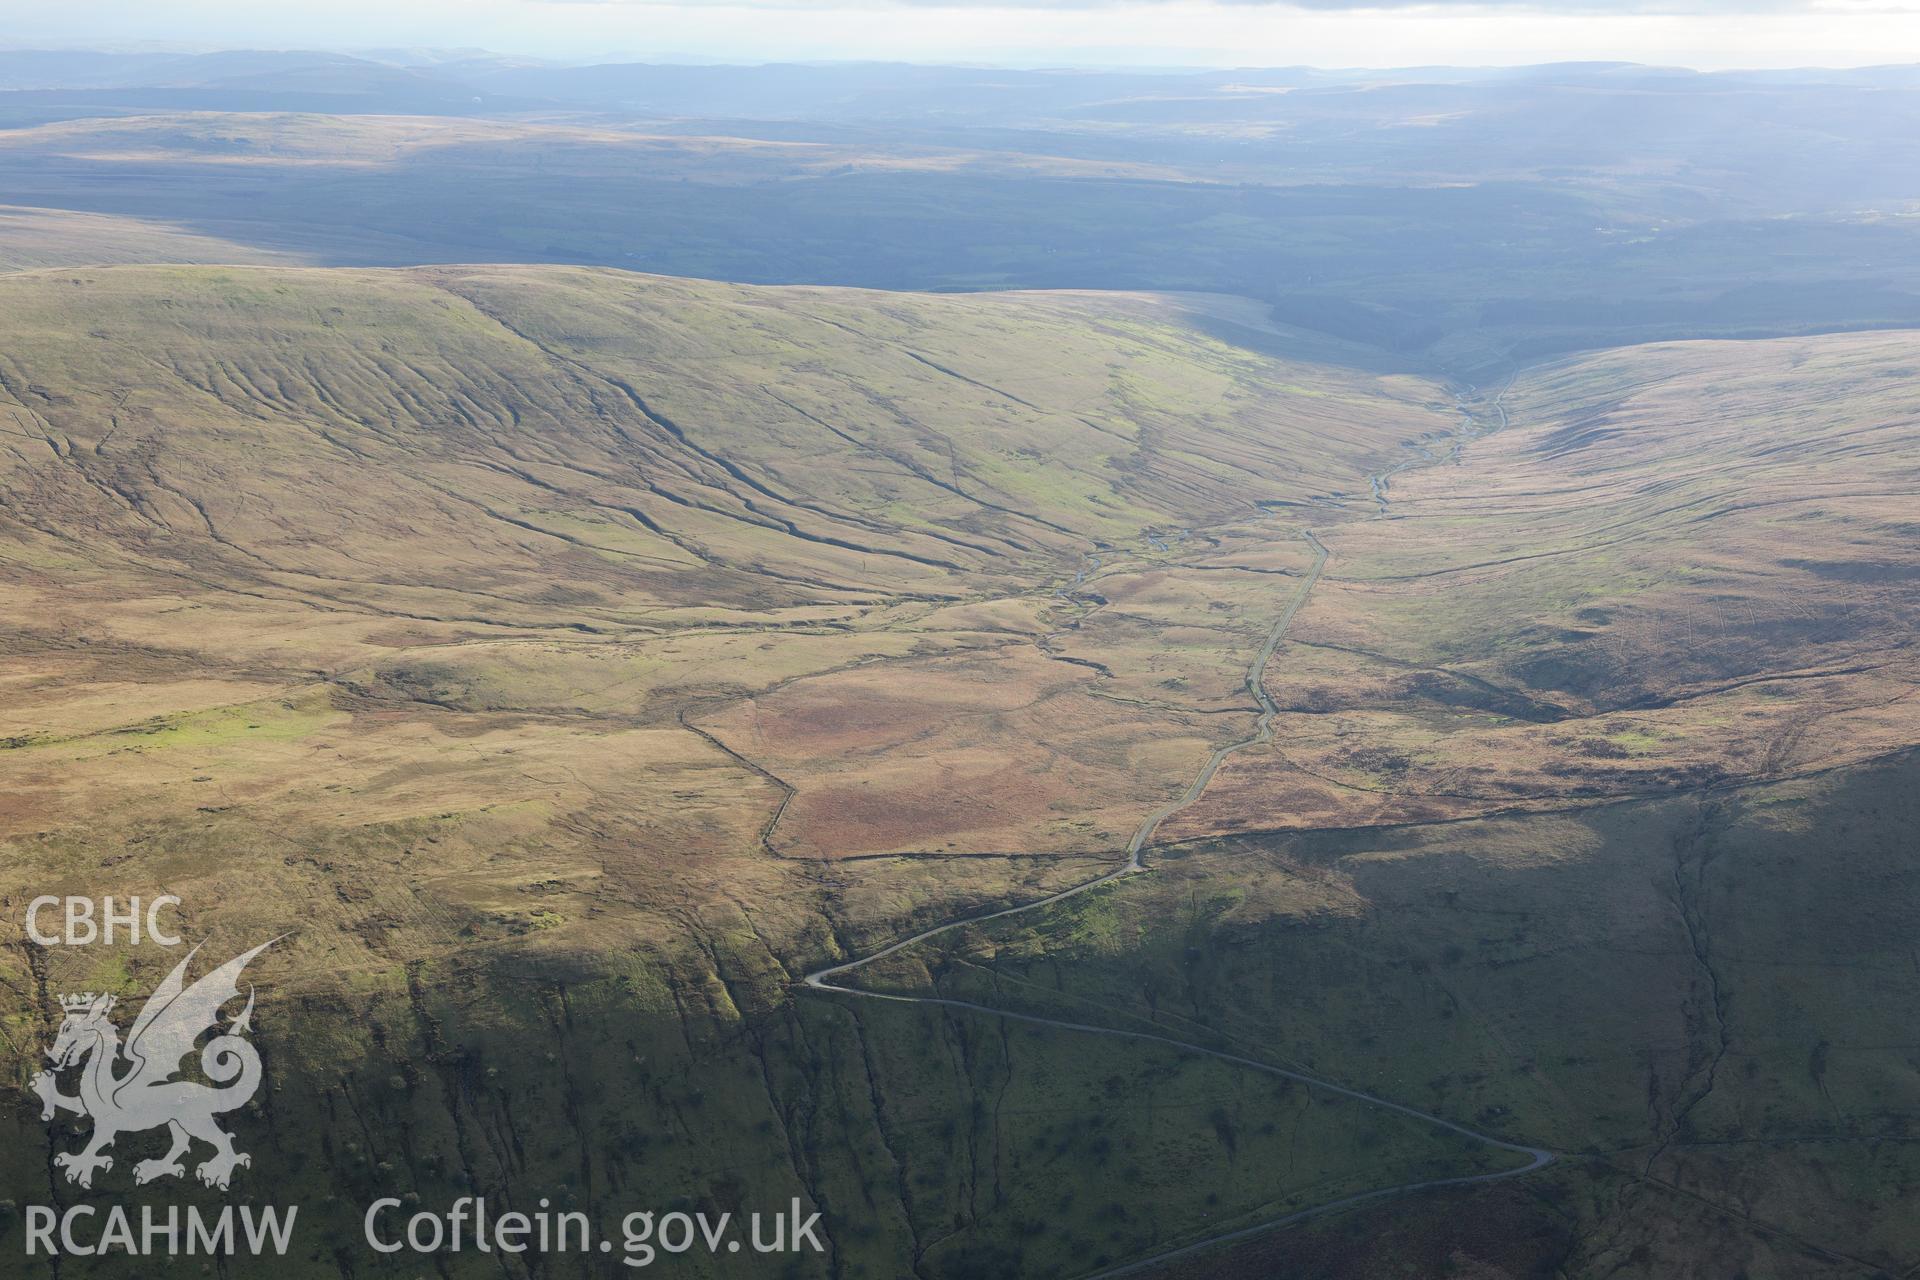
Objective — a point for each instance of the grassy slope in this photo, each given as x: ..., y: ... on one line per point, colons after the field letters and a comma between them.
x: 529, y: 637
x: 397, y: 482
x: 682, y: 443
x: 413, y: 611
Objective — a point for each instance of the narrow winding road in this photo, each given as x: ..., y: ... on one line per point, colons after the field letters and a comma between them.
x: 824, y: 979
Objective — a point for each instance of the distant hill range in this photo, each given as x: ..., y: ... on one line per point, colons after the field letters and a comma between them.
x: 1451, y: 218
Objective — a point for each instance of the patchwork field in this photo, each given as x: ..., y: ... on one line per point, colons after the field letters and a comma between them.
x: 571, y: 661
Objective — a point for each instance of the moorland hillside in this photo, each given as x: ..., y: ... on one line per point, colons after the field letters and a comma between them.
x: 570, y: 662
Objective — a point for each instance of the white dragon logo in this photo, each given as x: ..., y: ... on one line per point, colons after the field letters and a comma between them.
x: 146, y: 1095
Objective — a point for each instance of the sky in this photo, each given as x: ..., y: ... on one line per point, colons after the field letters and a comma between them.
x: 1709, y: 34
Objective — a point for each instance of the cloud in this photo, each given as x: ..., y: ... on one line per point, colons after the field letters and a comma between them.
x: 1711, y: 34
